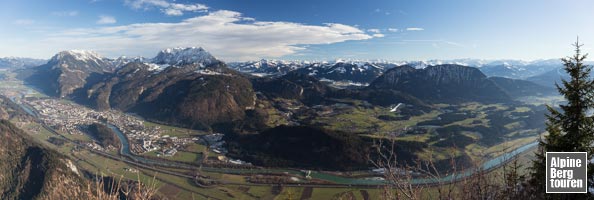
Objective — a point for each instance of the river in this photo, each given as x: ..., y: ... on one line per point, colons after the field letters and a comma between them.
x: 490, y: 164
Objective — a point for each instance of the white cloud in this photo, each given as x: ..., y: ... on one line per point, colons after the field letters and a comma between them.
x: 188, y: 7
x: 378, y: 35
x: 414, y: 29
x: 171, y: 9
x: 24, y: 22
x: 393, y: 30
x: 65, y: 13
x: 173, y: 12
x: 373, y: 30
x: 105, y: 19
x: 226, y: 34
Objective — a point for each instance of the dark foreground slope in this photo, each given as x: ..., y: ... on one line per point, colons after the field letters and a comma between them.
x: 29, y: 171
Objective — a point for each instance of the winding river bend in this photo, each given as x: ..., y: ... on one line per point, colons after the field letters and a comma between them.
x: 490, y: 164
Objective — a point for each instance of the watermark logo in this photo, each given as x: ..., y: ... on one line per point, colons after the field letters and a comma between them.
x: 567, y: 172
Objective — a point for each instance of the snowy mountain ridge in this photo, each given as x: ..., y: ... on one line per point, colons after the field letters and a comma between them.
x: 186, y: 55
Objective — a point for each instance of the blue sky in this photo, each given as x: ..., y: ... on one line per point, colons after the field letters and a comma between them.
x: 236, y: 30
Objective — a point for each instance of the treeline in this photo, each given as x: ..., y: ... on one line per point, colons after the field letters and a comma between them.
x: 104, y: 135
x: 300, y: 146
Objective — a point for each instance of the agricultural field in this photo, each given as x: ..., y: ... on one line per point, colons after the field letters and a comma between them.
x: 473, y: 131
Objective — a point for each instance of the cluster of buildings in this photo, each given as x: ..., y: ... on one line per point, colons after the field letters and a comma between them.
x: 215, y: 142
x: 167, y: 144
x: 72, y: 118
x: 65, y: 117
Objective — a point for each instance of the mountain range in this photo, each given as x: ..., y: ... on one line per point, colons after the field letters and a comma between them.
x: 340, y: 73
x: 361, y: 73
x: 190, y: 87
x: 185, y: 86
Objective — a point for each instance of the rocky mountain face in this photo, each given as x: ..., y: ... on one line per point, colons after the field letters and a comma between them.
x: 441, y: 83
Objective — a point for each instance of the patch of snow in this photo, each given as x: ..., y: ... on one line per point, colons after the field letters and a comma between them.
x: 395, y: 108
x: 156, y: 68
x: 209, y: 72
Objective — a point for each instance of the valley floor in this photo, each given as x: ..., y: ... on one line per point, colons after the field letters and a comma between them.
x: 198, y: 168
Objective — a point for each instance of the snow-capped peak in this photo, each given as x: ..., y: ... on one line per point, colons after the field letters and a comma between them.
x: 181, y: 56
x: 82, y: 55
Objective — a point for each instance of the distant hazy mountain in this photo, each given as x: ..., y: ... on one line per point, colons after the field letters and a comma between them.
x: 521, y: 71
x: 441, y: 83
x: 268, y: 67
x: 549, y: 78
x: 17, y: 63
x: 516, y: 69
x: 355, y: 70
x: 520, y: 88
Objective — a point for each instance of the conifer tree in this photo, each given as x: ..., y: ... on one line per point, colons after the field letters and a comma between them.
x: 569, y: 127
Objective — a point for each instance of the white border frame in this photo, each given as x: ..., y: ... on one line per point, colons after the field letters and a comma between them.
x: 547, y: 174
